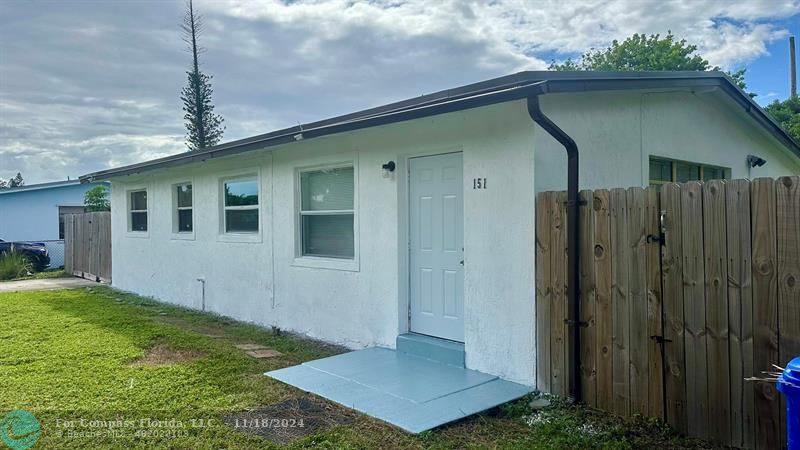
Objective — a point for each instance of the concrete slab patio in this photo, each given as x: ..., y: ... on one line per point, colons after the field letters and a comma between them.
x: 45, y: 284
x: 410, y: 392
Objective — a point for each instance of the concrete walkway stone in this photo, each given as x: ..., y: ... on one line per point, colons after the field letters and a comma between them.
x: 250, y: 347
x: 266, y: 353
x: 45, y: 284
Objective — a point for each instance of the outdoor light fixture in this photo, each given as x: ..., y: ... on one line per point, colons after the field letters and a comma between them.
x: 389, y: 166
x: 755, y: 161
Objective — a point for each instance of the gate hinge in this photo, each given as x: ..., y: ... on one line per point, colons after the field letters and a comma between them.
x: 660, y: 339
x: 653, y: 238
x: 572, y: 323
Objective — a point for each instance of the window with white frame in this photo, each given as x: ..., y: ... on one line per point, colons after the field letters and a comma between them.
x: 137, y: 210
x: 183, y: 208
x: 240, y: 207
x: 327, y: 212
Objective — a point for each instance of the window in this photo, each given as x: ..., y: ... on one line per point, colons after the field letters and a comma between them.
x: 668, y: 171
x: 137, y: 207
x: 240, y: 210
x: 327, y: 212
x: 183, y: 208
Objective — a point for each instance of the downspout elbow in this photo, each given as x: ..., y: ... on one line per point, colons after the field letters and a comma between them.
x: 538, y: 116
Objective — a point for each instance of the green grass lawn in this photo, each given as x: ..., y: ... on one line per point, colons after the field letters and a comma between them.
x: 57, y: 273
x: 72, y: 355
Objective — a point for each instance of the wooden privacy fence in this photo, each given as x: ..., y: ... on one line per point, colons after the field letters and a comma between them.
x: 684, y: 293
x: 87, y: 245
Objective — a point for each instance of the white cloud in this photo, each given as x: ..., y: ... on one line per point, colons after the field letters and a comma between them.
x: 86, y: 85
x: 728, y: 32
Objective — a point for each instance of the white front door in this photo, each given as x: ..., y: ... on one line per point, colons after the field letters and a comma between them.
x: 436, y: 263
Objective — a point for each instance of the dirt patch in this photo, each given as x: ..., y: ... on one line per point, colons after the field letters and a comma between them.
x: 287, y: 421
x: 164, y: 355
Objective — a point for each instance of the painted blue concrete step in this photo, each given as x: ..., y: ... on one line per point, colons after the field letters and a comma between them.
x: 434, y: 349
x: 412, y: 393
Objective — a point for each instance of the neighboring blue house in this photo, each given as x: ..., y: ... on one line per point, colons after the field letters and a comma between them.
x: 36, y: 212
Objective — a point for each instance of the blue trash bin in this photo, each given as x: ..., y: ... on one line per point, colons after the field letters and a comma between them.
x: 789, y: 384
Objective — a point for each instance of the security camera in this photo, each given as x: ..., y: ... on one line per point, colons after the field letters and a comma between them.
x: 755, y: 161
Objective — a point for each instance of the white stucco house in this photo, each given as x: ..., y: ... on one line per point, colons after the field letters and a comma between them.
x: 418, y: 216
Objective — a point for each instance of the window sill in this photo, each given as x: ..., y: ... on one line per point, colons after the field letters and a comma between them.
x: 138, y: 234
x: 314, y: 262
x: 248, y: 238
x: 185, y: 236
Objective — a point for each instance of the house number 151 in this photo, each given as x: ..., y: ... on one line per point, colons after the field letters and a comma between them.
x: 479, y: 183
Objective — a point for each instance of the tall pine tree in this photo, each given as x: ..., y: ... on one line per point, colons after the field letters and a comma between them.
x: 203, y: 127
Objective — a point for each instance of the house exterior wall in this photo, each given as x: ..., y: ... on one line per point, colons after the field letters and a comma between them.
x: 32, y: 215
x: 366, y: 302
x: 617, y: 132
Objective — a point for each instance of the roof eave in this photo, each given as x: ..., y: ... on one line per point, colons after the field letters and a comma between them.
x: 514, y: 87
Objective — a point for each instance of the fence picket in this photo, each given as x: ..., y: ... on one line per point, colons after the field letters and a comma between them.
x: 740, y: 304
x: 620, y: 359
x: 788, y: 258
x: 558, y: 295
x: 637, y: 302
x: 672, y: 275
x: 603, y: 284
x: 655, y: 327
x: 694, y: 309
x: 68, y: 231
x: 765, y: 310
x: 588, y: 303
x: 716, y: 298
x: 544, y: 215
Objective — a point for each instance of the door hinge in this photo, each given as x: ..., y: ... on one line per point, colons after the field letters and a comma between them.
x: 572, y: 323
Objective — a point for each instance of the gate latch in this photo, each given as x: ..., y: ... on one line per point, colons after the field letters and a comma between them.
x: 662, y: 221
x: 653, y: 238
x: 660, y: 339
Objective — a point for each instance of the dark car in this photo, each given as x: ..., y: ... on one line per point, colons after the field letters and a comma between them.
x: 35, y: 252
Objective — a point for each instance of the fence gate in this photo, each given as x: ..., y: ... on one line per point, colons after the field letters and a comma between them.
x: 87, y: 245
x: 685, y: 292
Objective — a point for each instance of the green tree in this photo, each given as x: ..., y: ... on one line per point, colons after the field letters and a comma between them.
x: 14, y: 181
x: 203, y: 127
x: 787, y: 113
x: 641, y: 53
x: 96, y: 199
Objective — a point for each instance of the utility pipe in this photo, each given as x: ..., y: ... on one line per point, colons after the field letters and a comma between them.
x: 573, y: 261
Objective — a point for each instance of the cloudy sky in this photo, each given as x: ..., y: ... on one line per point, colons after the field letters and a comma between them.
x: 86, y: 85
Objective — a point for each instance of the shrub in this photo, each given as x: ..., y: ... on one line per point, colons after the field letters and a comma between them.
x: 14, y: 265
